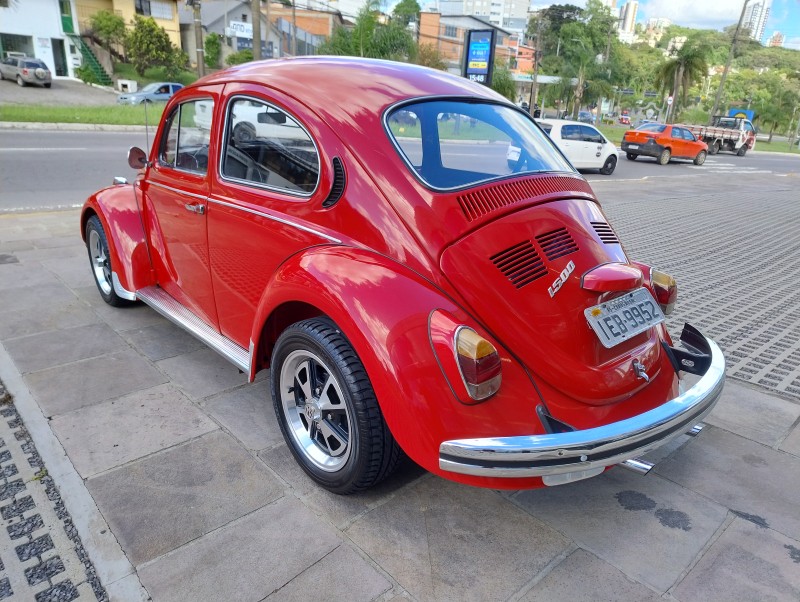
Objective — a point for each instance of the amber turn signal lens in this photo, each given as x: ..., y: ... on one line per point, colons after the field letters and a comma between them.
x: 666, y: 290
x: 479, y: 364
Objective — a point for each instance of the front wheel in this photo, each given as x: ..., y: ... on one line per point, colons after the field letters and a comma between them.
x: 100, y: 259
x: 20, y: 81
x: 609, y: 166
x: 700, y: 158
x: 742, y: 150
x: 664, y: 157
x: 327, y: 410
x: 631, y: 157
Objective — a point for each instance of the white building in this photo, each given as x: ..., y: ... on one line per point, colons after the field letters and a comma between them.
x: 755, y: 18
x: 627, y: 16
x: 40, y: 28
x: 508, y: 14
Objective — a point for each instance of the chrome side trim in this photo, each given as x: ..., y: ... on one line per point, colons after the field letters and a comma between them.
x: 194, y: 195
x: 274, y: 218
x: 173, y: 311
x: 556, y: 453
x: 120, y: 290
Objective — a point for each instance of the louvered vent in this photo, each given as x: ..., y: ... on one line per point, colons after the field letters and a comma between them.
x: 606, y: 233
x: 556, y: 243
x: 477, y: 203
x: 337, y: 190
x: 521, y: 264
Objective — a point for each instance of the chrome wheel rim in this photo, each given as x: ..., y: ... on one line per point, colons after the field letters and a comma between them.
x: 100, y: 265
x: 315, y: 410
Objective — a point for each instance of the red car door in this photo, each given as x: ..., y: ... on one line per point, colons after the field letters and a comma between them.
x: 176, y: 192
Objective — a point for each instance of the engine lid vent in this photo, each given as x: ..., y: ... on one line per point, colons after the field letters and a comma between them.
x: 606, y: 233
x: 556, y: 243
x: 521, y: 263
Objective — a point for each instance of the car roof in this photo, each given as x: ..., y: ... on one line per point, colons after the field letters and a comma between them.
x: 562, y: 122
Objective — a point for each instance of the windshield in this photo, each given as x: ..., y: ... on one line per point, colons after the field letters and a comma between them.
x: 150, y: 88
x: 456, y: 143
x: 652, y: 127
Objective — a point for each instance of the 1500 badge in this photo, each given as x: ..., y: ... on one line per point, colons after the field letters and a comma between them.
x: 562, y: 278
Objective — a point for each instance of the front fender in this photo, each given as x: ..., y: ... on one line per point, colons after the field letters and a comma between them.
x: 118, y: 211
x: 384, y: 310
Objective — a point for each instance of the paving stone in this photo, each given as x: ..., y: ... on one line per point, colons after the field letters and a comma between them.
x: 202, y: 373
x: 86, y: 382
x: 119, y: 318
x: 11, y: 489
x: 792, y: 443
x: 753, y: 414
x: 58, y: 347
x: 44, y: 571
x: 359, y: 581
x: 248, y: 414
x: 741, y: 475
x: 340, y: 510
x: 645, y: 526
x: 60, y: 592
x: 584, y: 576
x: 45, y: 308
x: 25, y: 527
x: 246, y: 560
x: 17, y: 275
x: 161, y: 341
x: 159, y: 503
x: 17, y: 508
x: 34, y: 548
x: 75, y: 272
x: 111, y: 433
x: 443, y: 541
x: 747, y: 564
x: 5, y: 588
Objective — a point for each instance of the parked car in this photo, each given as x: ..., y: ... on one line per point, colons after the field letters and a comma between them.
x: 154, y: 92
x: 585, y: 117
x: 663, y: 142
x: 584, y: 145
x: 26, y: 70
x: 406, y: 289
x: 625, y: 119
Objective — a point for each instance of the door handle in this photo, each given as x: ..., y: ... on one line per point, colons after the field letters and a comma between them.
x: 199, y: 208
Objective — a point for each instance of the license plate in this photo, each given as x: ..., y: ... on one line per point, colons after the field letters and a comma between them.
x: 620, y: 319
x: 633, y: 146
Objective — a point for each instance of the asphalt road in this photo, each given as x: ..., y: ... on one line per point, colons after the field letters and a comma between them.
x: 51, y: 169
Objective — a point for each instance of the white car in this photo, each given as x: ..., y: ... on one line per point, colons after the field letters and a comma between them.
x: 583, y: 144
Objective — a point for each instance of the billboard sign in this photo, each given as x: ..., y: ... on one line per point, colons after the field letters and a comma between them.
x: 479, y: 55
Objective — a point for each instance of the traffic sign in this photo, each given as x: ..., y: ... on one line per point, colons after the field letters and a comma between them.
x: 669, y: 100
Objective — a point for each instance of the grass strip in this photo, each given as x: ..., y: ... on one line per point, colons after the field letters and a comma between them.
x: 105, y: 115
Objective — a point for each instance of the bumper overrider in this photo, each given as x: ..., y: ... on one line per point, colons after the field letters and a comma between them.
x: 588, y: 452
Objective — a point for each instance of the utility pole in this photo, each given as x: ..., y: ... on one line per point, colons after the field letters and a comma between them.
x: 198, y: 38
x: 728, y: 63
x: 294, y: 29
x: 255, y: 8
x: 535, y: 80
x: 269, y: 31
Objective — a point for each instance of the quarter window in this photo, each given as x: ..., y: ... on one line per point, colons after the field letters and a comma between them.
x: 185, y: 146
x: 266, y: 146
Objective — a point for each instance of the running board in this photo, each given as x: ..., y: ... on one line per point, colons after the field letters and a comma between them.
x: 173, y: 311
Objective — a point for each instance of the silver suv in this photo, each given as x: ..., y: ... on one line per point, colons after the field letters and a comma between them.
x: 26, y: 70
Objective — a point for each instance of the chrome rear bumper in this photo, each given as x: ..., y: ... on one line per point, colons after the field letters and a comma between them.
x: 558, y: 453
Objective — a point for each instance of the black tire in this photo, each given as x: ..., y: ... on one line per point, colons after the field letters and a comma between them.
x: 244, y: 132
x: 609, y: 166
x: 20, y: 81
x: 713, y: 148
x: 100, y: 261
x: 664, y: 157
x: 47, y: 85
x: 700, y: 158
x: 742, y: 151
x: 631, y: 157
x: 339, y: 437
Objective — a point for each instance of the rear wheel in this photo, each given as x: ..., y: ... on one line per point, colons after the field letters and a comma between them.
x: 97, y: 245
x: 20, y: 81
x: 609, y: 166
x: 327, y: 410
x: 47, y: 85
x: 664, y: 157
x: 700, y: 158
x: 742, y: 150
x: 714, y: 148
x: 631, y: 157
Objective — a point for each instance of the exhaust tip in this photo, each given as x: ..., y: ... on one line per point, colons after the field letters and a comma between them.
x: 638, y: 466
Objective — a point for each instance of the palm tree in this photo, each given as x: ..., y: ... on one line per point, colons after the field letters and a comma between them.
x: 688, y: 65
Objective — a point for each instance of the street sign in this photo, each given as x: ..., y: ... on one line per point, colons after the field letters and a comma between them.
x: 649, y: 94
x: 669, y: 100
x: 627, y: 91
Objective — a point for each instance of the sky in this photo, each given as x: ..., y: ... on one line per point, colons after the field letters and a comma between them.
x: 716, y: 14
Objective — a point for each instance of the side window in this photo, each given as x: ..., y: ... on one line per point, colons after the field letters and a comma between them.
x: 748, y: 127
x: 265, y: 146
x: 185, y: 145
x: 571, y: 132
x: 589, y: 134
x: 688, y: 135
x: 546, y: 127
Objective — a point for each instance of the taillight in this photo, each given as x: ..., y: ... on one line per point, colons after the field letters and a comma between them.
x: 666, y: 290
x: 479, y: 364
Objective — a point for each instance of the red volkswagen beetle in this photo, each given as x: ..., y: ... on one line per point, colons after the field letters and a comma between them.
x: 354, y: 227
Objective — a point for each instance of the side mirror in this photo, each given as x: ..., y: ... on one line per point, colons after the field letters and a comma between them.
x: 137, y: 158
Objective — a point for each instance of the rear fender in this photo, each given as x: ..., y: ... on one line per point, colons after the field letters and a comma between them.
x: 384, y: 310
x: 117, y: 209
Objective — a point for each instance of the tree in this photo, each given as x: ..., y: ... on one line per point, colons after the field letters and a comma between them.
x: 406, y: 11
x: 149, y: 46
x: 371, y: 38
x: 503, y: 82
x: 429, y: 56
x: 687, y: 66
x: 109, y: 28
x: 212, y: 50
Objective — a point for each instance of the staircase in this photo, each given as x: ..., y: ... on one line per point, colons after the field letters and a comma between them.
x: 91, y: 61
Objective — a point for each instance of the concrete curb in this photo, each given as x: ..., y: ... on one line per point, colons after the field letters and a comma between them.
x: 112, y: 565
x: 72, y: 127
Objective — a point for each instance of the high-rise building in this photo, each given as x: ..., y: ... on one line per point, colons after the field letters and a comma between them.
x: 508, y: 14
x: 755, y: 18
x: 776, y: 39
x: 628, y: 16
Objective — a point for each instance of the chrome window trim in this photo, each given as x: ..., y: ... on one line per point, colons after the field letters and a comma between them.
x: 227, y: 203
x: 224, y: 146
x: 473, y: 100
x: 194, y: 195
x: 161, y: 163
